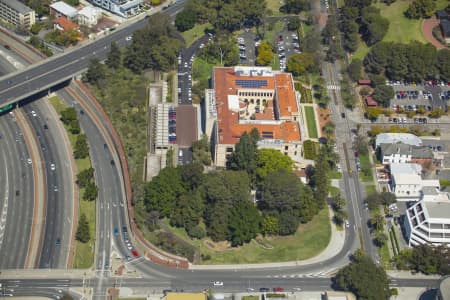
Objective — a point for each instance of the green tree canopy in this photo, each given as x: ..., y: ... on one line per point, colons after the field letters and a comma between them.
x: 83, y: 235
x: 114, y: 58
x: 271, y: 160
x: 365, y: 279
x: 185, y: 20
x: 265, y: 54
x: 300, y: 63
x: 245, y: 155
x: 420, y: 9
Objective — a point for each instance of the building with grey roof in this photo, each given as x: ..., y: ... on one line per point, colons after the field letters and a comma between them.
x: 403, y: 153
x: 61, y: 8
x: 428, y: 221
x: 405, y: 138
x: 17, y: 13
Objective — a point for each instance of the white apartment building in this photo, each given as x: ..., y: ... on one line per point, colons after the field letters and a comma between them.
x: 428, y: 221
x: 17, y: 13
x: 88, y: 16
x: 123, y: 8
x: 409, y: 186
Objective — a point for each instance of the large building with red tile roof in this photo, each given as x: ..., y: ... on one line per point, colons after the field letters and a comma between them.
x: 243, y: 98
x: 64, y: 24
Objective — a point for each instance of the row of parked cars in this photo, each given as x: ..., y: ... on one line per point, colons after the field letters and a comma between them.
x: 413, y: 83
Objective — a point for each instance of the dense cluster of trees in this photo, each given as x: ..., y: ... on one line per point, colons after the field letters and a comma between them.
x: 63, y: 38
x: 295, y: 6
x: 426, y: 259
x: 412, y: 62
x: 69, y: 118
x: 420, y: 9
x: 364, y: 278
x: 358, y: 17
x: 223, y: 15
x: 219, y: 204
x: 154, y: 47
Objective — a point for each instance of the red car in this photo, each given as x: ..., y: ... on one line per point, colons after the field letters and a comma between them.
x: 278, y: 289
x: 135, y: 253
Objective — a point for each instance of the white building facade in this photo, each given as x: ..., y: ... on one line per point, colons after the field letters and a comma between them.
x: 428, y: 221
x: 88, y: 16
x: 123, y: 8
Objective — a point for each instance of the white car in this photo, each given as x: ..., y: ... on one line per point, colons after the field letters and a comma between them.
x: 218, y: 283
x: 52, y: 167
x: 347, y: 224
x: 29, y: 161
x: 129, y: 38
x: 33, y: 113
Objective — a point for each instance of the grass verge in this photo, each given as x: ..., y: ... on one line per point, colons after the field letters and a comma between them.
x: 335, y: 174
x: 385, y: 256
x: 311, y: 122
x: 195, y: 33
x: 370, y: 190
x: 334, y: 191
x: 366, y: 168
x: 84, y: 252
x: 309, y: 240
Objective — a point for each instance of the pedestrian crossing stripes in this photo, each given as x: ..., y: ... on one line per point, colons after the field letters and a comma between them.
x: 333, y: 87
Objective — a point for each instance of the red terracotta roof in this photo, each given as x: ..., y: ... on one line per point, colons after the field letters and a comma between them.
x: 364, y: 81
x: 370, y: 101
x: 65, y: 23
x: 229, y: 127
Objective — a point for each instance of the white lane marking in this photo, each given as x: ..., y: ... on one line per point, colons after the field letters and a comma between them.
x: 5, y: 205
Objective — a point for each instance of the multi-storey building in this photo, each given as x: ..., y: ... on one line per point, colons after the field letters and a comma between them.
x: 428, y: 221
x: 243, y: 98
x: 123, y: 8
x: 16, y: 13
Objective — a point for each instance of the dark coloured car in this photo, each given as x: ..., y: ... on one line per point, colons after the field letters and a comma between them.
x: 343, y: 115
x: 58, y: 242
x: 116, y: 231
x: 264, y: 290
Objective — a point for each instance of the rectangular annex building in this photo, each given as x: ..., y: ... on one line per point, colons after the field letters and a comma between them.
x: 253, y: 97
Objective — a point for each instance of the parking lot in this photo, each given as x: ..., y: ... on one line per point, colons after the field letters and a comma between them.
x: 286, y: 43
x: 410, y: 97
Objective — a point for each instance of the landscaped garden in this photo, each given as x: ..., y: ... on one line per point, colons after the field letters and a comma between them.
x: 311, y: 122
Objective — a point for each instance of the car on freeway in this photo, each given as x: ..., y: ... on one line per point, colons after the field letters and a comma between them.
x: 33, y: 113
x: 116, y: 231
x: 55, y: 188
x: 135, y: 253
x: 58, y: 242
x: 218, y: 283
x: 52, y: 167
x: 29, y: 161
x: 264, y: 290
x: 278, y: 289
x: 347, y: 224
x: 129, y: 38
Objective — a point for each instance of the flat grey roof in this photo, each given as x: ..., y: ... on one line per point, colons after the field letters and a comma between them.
x: 17, y: 6
x: 438, y: 210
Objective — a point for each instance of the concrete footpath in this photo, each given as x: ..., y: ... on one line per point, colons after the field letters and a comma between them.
x: 334, y: 246
x: 39, y: 190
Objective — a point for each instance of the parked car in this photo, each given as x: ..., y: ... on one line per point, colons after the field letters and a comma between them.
x: 218, y: 283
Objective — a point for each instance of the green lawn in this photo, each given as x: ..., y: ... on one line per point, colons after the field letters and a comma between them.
x: 385, y: 256
x: 361, y: 51
x: 334, y: 191
x: 272, y: 30
x: 401, y: 29
x: 335, y: 174
x: 195, y: 33
x: 370, y: 190
x: 311, y: 122
x: 274, y: 7
x: 366, y: 174
x: 309, y: 240
x: 84, y: 253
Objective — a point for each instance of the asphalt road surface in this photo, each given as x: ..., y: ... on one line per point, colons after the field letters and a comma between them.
x: 16, y: 195
x: 59, y: 186
x: 41, y: 76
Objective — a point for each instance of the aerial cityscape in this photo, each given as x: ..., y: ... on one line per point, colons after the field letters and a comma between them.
x: 212, y: 150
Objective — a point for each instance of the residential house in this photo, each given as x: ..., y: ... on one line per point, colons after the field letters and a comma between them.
x: 428, y: 221
x: 253, y: 97
x: 402, y: 153
x: 123, y: 8
x: 17, y: 13
x: 64, y: 24
x: 62, y: 9
x: 391, y: 138
x: 88, y: 16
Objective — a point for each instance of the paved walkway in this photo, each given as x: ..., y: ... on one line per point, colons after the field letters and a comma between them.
x: 427, y: 30
x: 334, y: 246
